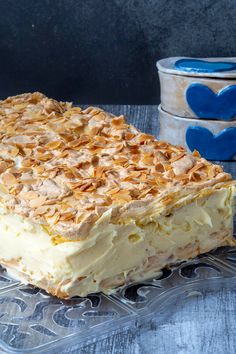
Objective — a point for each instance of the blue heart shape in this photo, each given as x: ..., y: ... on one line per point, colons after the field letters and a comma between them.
x: 213, y: 147
x: 204, y: 66
x: 209, y: 105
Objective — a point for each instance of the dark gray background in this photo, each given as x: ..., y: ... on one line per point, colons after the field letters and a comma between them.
x: 104, y: 51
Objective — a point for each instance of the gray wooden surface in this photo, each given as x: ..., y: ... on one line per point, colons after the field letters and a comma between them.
x: 202, y: 324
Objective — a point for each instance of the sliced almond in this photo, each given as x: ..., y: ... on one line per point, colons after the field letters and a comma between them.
x: 9, y: 179
x: 98, y: 171
x: 198, y: 166
x: 93, y: 131
x: 52, y: 145
x: 129, y: 136
x: 37, y: 202
x: 113, y: 191
x: 3, y: 166
x: 29, y: 195
x: 44, y: 157
x: 196, y: 153
x: 144, y: 137
x: 51, y: 211
x: 67, y: 216
x: 118, y: 121
x: 41, y: 210
x: 177, y: 157
x: 147, y: 160
x: 14, y: 151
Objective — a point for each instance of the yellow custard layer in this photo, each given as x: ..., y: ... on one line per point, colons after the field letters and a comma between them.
x: 115, y: 253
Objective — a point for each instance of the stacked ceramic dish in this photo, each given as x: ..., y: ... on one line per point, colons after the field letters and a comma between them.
x: 198, y: 105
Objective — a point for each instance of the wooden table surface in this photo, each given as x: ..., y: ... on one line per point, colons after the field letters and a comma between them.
x: 203, y: 324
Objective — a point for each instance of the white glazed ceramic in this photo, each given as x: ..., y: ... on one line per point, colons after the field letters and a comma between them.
x: 173, y: 91
x: 175, y: 83
x: 173, y: 128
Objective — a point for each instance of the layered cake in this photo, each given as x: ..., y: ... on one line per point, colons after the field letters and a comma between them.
x: 89, y: 203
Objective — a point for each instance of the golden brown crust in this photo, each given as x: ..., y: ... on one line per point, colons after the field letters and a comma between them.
x: 64, y: 167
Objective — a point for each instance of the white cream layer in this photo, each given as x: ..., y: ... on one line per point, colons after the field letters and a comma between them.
x: 114, y: 253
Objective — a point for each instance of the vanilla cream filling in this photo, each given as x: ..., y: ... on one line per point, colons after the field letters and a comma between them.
x: 114, y: 253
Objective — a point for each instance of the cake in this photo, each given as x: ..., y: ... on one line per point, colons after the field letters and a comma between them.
x: 88, y: 203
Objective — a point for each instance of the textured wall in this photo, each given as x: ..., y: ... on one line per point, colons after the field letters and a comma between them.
x: 104, y: 51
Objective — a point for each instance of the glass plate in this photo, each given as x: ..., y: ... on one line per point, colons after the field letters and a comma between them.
x: 31, y: 321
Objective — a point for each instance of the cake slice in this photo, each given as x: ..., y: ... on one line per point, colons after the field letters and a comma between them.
x: 88, y: 203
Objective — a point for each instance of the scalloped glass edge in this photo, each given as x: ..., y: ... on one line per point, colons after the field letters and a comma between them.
x: 33, y: 322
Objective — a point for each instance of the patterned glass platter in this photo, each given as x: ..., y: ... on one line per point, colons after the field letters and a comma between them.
x: 33, y: 322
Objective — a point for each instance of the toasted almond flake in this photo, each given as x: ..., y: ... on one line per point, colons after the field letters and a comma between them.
x: 66, y: 136
x: 44, y: 157
x: 196, y: 153
x: 92, y: 110
x: 93, y: 131
x: 95, y: 150
x: 75, y: 184
x: 134, y: 174
x: 170, y: 174
x: 101, y: 116
x: 14, y: 151
x: 177, y: 157
x: 144, y: 137
x: 144, y: 193
x: 67, y: 216
x: 121, y: 198
x: 98, y: 171
x: 53, y: 145
x: 143, y: 177
x: 183, y: 165
x: 182, y: 176
x: 29, y: 195
x: 159, y: 167
x: 194, y: 176
x: 53, y: 219
x: 198, y: 166
x: 129, y: 136
x: 69, y: 174
x: 51, y: 210
x: 3, y: 166
x: 3, y: 189
x: 85, y: 186
x: 63, y: 154
x: 113, y: 191
x: 41, y: 210
x: 27, y: 151
x: 147, y: 160
x: 91, y: 188
x: 160, y: 156
x: 20, y: 106
x: 100, y: 139
x: 120, y: 160
x: 51, y: 105
x: 78, y: 142
x: 118, y: 121
x: 9, y: 179
x: 39, y: 169
x: 27, y: 162
x: 37, y: 202
x: 78, y: 195
x: 211, y: 172
x: 135, y: 158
